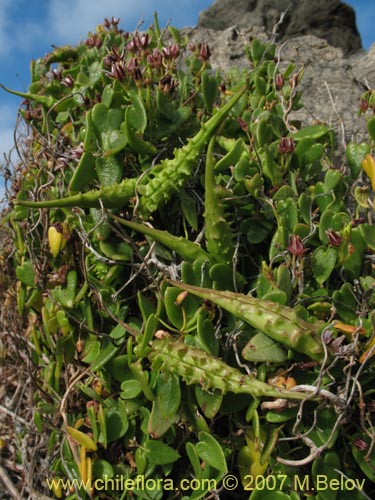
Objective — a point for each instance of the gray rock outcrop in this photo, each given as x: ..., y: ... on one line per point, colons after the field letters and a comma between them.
x: 334, y: 78
x: 331, y: 20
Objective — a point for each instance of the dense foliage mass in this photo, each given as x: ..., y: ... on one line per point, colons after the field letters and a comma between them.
x: 196, y: 274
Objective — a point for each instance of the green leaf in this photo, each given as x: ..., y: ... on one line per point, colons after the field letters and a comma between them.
x: 323, y: 263
x: 277, y: 417
x: 168, y: 393
x: 159, y: 453
x: 158, y: 424
x: 263, y: 349
x: 84, y: 172
x: 331, y: 179
x: 206, y: 335
x: 371, y: 127
x: 211, y: 452
x: 102, y: 469
x: 327, y: 467
x: 109, y: 170
x: 137, y: 113
x: 194, y: 460
x: 311, y: 132
x: 222, y: 277
x: 209, y: 90
x: 25, y: 274
x: 263, y: 132
x: 314, y: 153
x: 366, y: 465
x: 178, y: 314
x: 116, y: 421
x: 323, y: 430
x: 130, y: 389
x: 189, y: 209
x: 105, y: 355
x: 209, y: 402
x: 302, y: 147
x: 368, y: 234
x: 105, y: 120
x: 134, y: 139
x: 91, y: 350
x: 345, y: 303
x: 118, y: 368
x: 353, y: 261
x: 120, y: 251
x: 355, y: 154
x: 231, y: 158
x: 260, y: 85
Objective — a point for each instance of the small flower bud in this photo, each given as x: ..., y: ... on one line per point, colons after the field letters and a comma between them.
x: 333, y: 238
x: 279, y: 80
x: 286, y: 145
x: 294, y: 79
x: 68, y: 81
x: 296, y: 246
x: 242, y: 124
x: 204, y: 52
x: 363, y: 105
x: 360, y: 444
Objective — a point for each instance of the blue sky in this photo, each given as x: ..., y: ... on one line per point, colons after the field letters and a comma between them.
x: 28, y: 28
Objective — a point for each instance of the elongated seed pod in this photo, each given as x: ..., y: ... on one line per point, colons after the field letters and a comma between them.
x: 171, y: 174
x: 219, y: 236
x: 281, y: 323
x: 185, y: 248
x: 195, y: 366
x: 115, y: 196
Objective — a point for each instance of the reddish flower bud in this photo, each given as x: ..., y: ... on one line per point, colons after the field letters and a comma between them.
x: 279, y: 80
x: 132, y: 45
x: 296, y: 246
x: 363, y: 105
x: 357, y: 222
x: 294, y: 80
x: 94, y: 41
x: 68, y: 81
x: 360, y: 444
x: 144, y: 41
x: 223, y: 87
x: 167, y: 84
x: 155, y: 59
x: 204, y: 52
x: 333, y: 238
x: 242, y: 124
x: 286, y: 145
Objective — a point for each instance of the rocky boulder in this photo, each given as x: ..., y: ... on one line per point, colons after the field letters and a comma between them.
x: 331, y: 20
x: 334, y: 78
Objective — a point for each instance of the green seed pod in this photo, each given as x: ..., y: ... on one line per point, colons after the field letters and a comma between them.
x: 199, y: 367
x: 281, y: 323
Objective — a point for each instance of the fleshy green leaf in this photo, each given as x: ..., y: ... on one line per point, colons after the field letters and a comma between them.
x: 323, y: 263
x: 160, y: 453
x: 211, y: 452
x: 263, y: 349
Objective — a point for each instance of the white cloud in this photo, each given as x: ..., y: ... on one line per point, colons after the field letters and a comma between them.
x: 71, y: 20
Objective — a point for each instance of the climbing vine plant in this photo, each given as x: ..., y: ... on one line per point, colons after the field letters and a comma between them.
x: 195, y: 274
